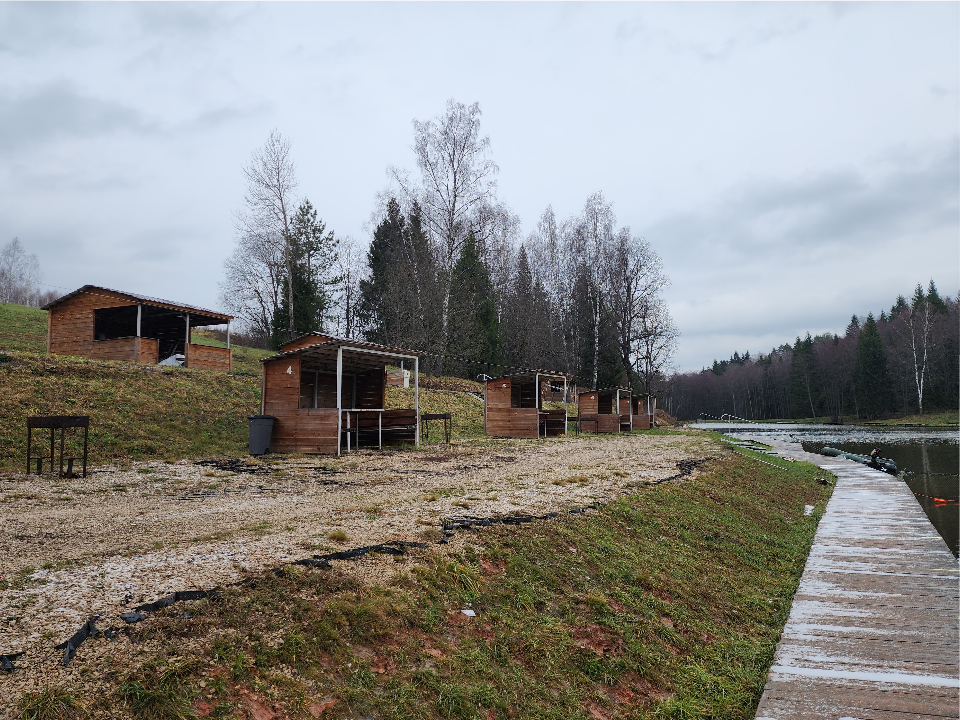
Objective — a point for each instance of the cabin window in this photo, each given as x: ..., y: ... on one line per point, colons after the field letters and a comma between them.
x: 115, y: 322
x: 605, y: 404
x: 523, y: 395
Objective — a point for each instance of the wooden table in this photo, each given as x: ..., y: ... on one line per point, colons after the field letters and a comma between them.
x: 57, y: 422
x: 447, y: 424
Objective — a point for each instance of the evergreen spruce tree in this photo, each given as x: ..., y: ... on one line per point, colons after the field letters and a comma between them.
x: 474, y: 343
x: 872, y: 380
x: 399, y: 303
x: 527, y: 326
x: 804, y: 379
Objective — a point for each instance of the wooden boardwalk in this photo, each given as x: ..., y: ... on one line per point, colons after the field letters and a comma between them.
x: 873, y: 630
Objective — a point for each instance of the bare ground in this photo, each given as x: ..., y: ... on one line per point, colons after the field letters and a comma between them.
x: 73, y: 549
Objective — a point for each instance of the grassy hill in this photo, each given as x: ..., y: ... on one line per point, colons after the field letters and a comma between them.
x: 141, y: 412
x: 23, y: 328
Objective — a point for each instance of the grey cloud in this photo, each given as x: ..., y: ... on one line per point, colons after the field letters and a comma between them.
x: 57, y: 110
x: 29, y: 29
x: 839, y: 207
x: 780, y: 258
x: 189, y: 20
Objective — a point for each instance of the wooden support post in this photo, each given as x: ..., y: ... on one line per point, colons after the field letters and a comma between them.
x: 137, y: 343
x: 416, y: 397
x: 565, y: 411
x: 339, y: 396
x: 186, y: 345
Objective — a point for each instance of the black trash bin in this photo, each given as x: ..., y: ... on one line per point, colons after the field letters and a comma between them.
x: 261, y: 428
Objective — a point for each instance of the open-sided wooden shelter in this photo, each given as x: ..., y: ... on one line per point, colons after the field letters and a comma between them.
x: 642, y: 408
x: 513, y: 405
x: 328, y: 395
x: 603, y: 411
x: 96, y: 322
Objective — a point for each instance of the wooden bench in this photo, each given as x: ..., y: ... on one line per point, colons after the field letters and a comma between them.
x: 373, y: 425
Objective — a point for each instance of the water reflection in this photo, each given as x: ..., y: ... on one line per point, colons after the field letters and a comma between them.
x: 928, y: 458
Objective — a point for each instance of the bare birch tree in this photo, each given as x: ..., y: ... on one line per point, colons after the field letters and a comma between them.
x: 262, y: 259
x: 913, y: 324
x: 456, y: 179
x: 19, y: 274
x: 351, y: 268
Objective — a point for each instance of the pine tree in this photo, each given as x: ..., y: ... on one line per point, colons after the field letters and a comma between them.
x: 313, y: 253
x: 872, y: 380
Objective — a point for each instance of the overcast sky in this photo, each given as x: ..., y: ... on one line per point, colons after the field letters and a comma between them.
x: 791, y: 163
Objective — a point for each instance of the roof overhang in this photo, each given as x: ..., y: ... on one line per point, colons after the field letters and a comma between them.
x: 357, y: 356
x: 533, y: 375
x: 140, y: 299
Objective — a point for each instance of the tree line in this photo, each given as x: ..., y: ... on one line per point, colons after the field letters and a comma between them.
x: 448, y: 273
x: 900, y: 363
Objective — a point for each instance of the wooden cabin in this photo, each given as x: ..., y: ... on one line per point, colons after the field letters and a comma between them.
x: 513, y: 405
x: 328, y: 395
x: 602, y: 411
x: 105, y: 324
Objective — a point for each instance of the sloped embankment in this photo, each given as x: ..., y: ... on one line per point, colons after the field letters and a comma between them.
x: 136, y: 411
x: 142, y: 412
x: 665, y: 603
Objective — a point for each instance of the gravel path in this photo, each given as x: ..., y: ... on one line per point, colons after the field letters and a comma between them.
x: 121, y: 537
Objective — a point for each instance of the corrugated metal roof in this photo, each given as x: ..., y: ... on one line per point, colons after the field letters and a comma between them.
x: 91, y: 290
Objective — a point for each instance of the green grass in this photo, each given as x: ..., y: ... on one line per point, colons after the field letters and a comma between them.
x: 51, y: 703
x: 136, y: 411
x: 664, y: 604
x: 23, y: 328
x: 928, y: 419
x: 467, y: 411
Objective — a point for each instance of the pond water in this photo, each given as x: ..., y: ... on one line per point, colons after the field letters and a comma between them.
x: 928, y: 460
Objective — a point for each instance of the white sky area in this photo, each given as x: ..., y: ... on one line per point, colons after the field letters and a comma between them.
x: 793, y: 163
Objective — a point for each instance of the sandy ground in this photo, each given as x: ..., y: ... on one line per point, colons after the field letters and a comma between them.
x: 72, y: 549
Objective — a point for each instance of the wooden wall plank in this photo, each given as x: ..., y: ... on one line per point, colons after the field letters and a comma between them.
x: 207, y: 357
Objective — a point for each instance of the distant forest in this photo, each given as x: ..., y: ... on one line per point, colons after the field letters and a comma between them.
x: 903, y: 362
x: 447, y: 272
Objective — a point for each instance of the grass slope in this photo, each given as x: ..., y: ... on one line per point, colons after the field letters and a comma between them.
x: 142, y: 412
x: 136, y: 411
x: 665, y: 604
x: 23, y: 328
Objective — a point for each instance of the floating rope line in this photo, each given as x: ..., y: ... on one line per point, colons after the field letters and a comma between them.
x: 939, y: 501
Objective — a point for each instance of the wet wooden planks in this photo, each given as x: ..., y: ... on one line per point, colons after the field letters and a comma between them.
x: 873, y: 629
